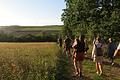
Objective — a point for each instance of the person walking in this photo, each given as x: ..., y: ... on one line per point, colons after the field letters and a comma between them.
x: 67, y: 46
x: 60, y: 41
x: 79, y: 52
x: 97, y: 55
x: 111, y: 50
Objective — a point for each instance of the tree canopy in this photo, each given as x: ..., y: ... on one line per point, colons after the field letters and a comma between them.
x: 92, y: 17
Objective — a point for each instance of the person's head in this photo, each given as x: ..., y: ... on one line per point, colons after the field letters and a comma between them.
x: 82, y: 37
x: 98, y: 39
x: 77, y: 40
x: 67, y: 36
x: 110, y: 40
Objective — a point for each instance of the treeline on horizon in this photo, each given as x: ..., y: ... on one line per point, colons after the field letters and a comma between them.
x: 28, y: 38
x: 30, y: 33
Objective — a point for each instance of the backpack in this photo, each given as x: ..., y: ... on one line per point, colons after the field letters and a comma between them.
x: 68, y: 42
x: 80, y: 47
x: 98, y: 50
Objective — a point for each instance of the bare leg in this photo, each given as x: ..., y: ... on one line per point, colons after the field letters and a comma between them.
x: 69, y: 53
x: 76, y: 67
x: 97, y: 68
x: 112, y: 61
x: 66, y: 52
x: 100, y: 67
x: 80, y: 68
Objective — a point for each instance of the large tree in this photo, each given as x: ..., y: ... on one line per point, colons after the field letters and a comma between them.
x: 92, y: 17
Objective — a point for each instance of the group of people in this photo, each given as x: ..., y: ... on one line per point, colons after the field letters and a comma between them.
x: 79, y: 48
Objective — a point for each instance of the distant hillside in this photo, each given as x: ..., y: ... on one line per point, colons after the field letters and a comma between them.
x: 30, y: 33
x: 31, y: 29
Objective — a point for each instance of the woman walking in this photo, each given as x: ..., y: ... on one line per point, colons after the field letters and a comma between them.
x: 79, y: 50
x: 97, y: 55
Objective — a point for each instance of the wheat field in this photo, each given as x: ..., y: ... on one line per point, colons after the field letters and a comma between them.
x: 27, y: 61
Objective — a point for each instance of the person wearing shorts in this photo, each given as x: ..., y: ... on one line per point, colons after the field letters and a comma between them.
x: 97, y: 55
x: 79, y: 50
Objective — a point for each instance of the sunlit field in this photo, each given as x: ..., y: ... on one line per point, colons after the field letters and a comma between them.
x: 46, y: 61
x: 27, y: 61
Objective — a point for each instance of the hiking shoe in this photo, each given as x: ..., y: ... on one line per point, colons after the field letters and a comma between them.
x: 76, y: 74
x: 100, y: 73
x: 97, y: 72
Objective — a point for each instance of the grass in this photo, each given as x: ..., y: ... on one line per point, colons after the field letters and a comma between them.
x: 109, y: 72
x: 44, y: 61
x: 27, y: 61
x: 63, y: 67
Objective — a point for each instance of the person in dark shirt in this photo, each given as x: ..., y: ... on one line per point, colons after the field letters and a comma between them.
x: 111, y: 50
x: 60, y: 41
x: 67, y: 46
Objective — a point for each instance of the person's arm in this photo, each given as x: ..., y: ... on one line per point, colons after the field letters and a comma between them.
x: 74, y: 44
x: 93, y: 51
x: 115, y: 53
x: 64, y: 44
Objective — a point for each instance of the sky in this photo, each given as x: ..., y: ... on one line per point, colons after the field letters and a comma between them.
x: 31, y: 12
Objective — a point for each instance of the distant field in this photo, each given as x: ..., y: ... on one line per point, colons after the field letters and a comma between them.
x: 34, y: 28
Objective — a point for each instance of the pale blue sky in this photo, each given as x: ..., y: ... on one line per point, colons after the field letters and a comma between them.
x: 31, y: 12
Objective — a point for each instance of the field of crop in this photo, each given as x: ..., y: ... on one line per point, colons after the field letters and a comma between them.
x: 27, y: 61
x: 45, y: 61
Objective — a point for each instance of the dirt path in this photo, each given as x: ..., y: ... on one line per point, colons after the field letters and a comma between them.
x: 110, y: 72
x: 65, y: 69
